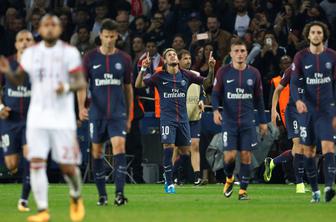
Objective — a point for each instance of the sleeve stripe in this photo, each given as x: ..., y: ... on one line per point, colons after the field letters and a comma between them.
x: 77, y: 69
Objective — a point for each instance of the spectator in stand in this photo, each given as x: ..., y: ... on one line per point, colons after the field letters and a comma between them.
x: 138, y: 48
x: 83, y: 43
x: 329, y: 7
x: 258, y: 38
x: 101, y: 12
x: 164, y: 7
x: 156, y: 30
x: 283, y: 23
x: 140, y: 25
x: 259, y: 21
x: 219, y: 37
x: 34, y: 20
x: 194, y: 27
x: 268, y: 62
x: 207, y: 9
x: 124, y: 32
x: 67, y: 26
x: 238, y: 20
x: 178, y: 43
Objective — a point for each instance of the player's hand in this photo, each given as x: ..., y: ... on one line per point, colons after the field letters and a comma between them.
x: 274, y: 117
x: 334, y: 122
x: 128, y: 125
x: 62, y: 88
x: 146, y: 62
x: 4, y: 65
x: 301, y: 107
x: 217, y: 117
x: 4, y: 114
x: 201, y: 106
x: 83, y: 114
x: 263, y: 129
x: 212, y: 61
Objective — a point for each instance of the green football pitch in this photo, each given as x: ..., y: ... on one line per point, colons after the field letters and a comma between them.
x: 149, y: 203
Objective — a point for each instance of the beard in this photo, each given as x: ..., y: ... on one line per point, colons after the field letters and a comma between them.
x: 50, y: 40
x: 241, y: 9
x: 317, y: 44
x: 173, y: 64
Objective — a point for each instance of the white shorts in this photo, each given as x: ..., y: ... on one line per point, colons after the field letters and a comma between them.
x: 62, y: 143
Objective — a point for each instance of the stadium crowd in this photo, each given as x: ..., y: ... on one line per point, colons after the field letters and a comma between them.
x: 271, y: 29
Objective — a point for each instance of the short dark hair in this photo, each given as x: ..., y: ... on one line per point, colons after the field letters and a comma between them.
x: 183, y: 52
x: 109, y: 25
x: 237, y: 41
x: 308, y: 26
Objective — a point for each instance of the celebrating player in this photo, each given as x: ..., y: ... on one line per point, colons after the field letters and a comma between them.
x: 316, y: 67
x: 109, y: 71
x: 172, y: 83
x: 195, y: 107
x: 238, y: 85
x: 54, y: 69
x: 13, y: 110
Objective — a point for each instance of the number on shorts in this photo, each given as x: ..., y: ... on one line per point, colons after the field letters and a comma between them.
x: 295, y: 125
x: 91, y: 130
x: 165, y: 130
x: 225, y: 138
x: 5, y: 142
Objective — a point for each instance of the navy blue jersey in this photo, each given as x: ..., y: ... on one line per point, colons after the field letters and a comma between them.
x: 317, y: 72
x: 16, y: 97
x: 240, y: 91
x: 106, y: 76
x: 285, y: 81
x: 173, y: 92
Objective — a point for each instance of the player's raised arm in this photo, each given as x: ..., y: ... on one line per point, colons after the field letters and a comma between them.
x: 296, y: 85
x: 208, y: 81
x: 139, y: 83
x: 15, y: 77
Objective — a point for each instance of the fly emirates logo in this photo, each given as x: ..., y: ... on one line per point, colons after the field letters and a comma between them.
x: 21, y: 91
x: 318, y: 79
x: 175, y: 93
x: 239, y: 94
x: 108, y: 80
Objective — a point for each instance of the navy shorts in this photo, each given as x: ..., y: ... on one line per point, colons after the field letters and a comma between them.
x: 195, y: 129
x: 292, y: 122
x: 315, y: 127
x: 13, y: 137
x: 104, y: 129
x: 239, y: 139
x: 175, y: 133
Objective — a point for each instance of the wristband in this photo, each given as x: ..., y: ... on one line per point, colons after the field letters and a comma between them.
x: 2, y: 106
x: 66, y: 87
x: 143, y: 69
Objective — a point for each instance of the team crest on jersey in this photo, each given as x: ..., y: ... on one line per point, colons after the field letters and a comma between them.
x: 328, y: 65
x: 249, y: 82
x: 118, y: 66
x: 293, y: 66
x: 183, y: 82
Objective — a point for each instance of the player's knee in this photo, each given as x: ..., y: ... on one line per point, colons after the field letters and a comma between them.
x: 97, y: 152
x: 245, y: 157
x: 12, y: 167
x: 194, y: 146
x: 68, y: 169
x: 118, y: 149
x: 310, y: 153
